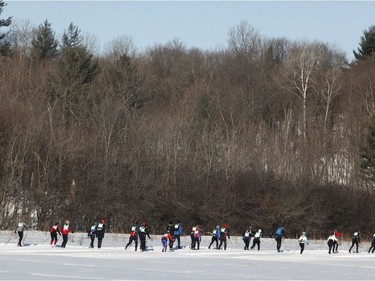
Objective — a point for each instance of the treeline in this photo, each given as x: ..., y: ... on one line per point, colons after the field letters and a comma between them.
x: 261, y: 132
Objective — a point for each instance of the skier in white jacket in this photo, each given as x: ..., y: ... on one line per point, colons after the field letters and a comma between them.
x: 303, y: 241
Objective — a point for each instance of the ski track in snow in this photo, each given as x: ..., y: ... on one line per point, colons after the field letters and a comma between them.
x: 37, y: 260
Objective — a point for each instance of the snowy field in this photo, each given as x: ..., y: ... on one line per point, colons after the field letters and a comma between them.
x: 37, y: 260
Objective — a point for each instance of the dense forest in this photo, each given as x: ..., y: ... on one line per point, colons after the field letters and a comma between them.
x: 262, y: 132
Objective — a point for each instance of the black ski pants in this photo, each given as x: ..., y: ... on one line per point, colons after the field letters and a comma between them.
x: 302, y: 245
x: 278, y: 243
x: 247, y: 242
x: 223, y: 241
x: 256, y: 241
x: 20, y: 236
x: 214, y: 239
x: 372, y: 247
x: 354, y: 242
x: 131, y: 239
x: 53, y: 238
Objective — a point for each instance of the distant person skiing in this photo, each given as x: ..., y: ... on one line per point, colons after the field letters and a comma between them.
x: 246, y: 237
x: 65, y: 232
x: 224, y: 236
x: 143, y: 234
x: 92, y: 234
x: 178, y: 233
x: 21, y: 226
x: 196, y: 238
x: 133, y: 236
x: 336, y: 245
x: 55, y: 229
x: 303, y: 241
x: 165, y: 240
x: 100, y: 231
x: 215, y: 237
x: 171, y: 230
x: 280, y: 232
x: 372, y: 248
x: 331, y: 241
x: 256, y: 240
x: 355, y: 241
x: 192, y: 232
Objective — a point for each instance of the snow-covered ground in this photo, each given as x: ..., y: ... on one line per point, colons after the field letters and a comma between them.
x: 38, y: 261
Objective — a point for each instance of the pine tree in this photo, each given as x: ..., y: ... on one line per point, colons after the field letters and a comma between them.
x: 44, y: 42
x: 71, y: 37
x: 4, y: 46
x: 367, y: 44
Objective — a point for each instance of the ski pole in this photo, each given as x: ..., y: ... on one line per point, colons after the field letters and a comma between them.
x: 295, y: 249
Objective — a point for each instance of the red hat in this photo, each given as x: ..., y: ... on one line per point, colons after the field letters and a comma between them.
x: 225, y: 225
x: 102, y: 221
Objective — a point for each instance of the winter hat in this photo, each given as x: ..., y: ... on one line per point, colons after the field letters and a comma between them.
x: 67, y: 221
x: 260, y: 230
x: 225, y: 225
x: 303, y: 233
x: 102, y: 221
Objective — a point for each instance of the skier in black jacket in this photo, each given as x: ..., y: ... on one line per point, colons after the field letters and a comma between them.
x: 100, y: 230
x: 143, y: 233
x: 355, y: 241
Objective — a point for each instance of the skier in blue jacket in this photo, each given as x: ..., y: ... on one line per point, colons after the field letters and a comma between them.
x: 215, y: 237
x: 178, y: 233
x: 280, y: 232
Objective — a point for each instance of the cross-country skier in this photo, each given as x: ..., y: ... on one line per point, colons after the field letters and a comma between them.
x: 143, y: 233
x: 55, y: 229
x: 178, y: 233
x: 21, y: 226
x: 246, y: 237
x: 167, y: 237
x: 91, y: 232
x: 331, y: 241
x: 336, y: 245
x: 256, y: 240
x: 65, y: 232
x: 196, y: 238
x: 133, y: 236
x: 303, y: 241
x: 280, y: 232
x: 215, y: 237
x: 193, y: 229
x: 100, y: 231
x: 372, y: 245
x: 171, y: 230
x: 224, y: 236
x: 355, y: 241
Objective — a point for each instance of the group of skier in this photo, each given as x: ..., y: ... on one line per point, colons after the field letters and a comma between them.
x: 220, y: 236
x: 139, y: 231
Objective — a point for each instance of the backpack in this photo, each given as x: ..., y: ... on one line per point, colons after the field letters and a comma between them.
x: 279, y: 231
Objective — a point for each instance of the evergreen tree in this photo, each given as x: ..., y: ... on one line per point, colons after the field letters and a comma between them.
x: 71, y: 37
x: 76, y: 66
x: 44, y: 42
x: 126, y: 81
x: 367, y: 44
x: 76, y: 69
x: 4, y: 46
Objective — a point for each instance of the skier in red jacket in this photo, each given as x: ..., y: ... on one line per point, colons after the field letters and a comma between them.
x: 65, y: 231
x: 336, y: 244
x: 165, y: 240
x: 54, y: 231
